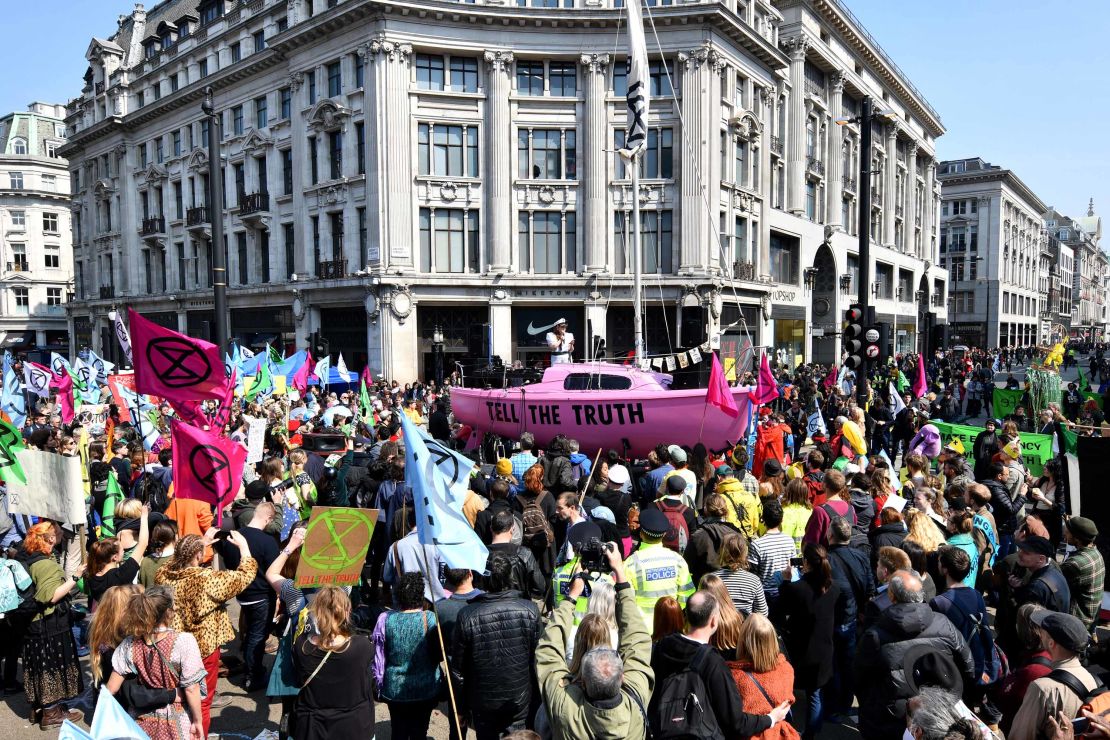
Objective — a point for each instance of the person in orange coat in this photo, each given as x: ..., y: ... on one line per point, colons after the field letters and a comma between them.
x: 761, y: 671
x: 192, y: 517
x: 770, y: 440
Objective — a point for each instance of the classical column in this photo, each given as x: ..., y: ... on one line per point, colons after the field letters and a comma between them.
x: 593, y: 191
x: 768, y: 98
x: 929, y: 219
x: 890, y: 184
x: 390, y: 185
x: 834, y: 155
x: 909, y: 217
x: 699, y: 85
x: 796, y: 125
x: 499, y: 176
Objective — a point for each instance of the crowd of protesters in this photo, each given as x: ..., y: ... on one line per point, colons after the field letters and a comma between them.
x: 861, y: 574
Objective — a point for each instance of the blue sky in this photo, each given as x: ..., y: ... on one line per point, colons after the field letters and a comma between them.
x: 1022, y: 83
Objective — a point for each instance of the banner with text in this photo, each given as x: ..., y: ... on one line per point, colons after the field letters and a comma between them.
x: 1005, y: 401
x: 1036, y: 449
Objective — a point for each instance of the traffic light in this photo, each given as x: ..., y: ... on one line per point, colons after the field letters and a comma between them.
x: 853, y: 337
x: 318, y: 345
x: 873, y: 342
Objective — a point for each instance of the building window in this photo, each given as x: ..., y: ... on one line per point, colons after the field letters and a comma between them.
x: 564, y: 79
x: 19, y: 258
x: 50, y: 223
x: 448, y: 151
x: 362, y: 256
x: 175, y: 84
x: 811, y: 200
x: 449, y: 240
x: 287, y: 171
x: 360, y: 71
x: 241, y: 249
x: 261, y: 116
x: 19, y: 219
x: 311, y: 75
x: 263, y: 236
x: 335, y: 221
x: 259, y: 41
x: 49, y: 183
x: 236, y: 52
x: 360, y: 138
x: 959, y: 207
x: 22, y: 301
x: 19, y: 146
x: 464, y: 74
x: 204, y: 128
x: 661, y: 72
x: 546, y: 154
x: 335, y: 80
x: 176, y: 137
x: 237, y: 120
x: 286, y: 95
x: 282, y: 24
x: 177, y: 200
x: 884, y: 276
x: 313, y: 160
x: 239, y: 173
x: 202, y: 67
x: 159, y: 151
x: 52, y: 149
x: 657, y: 162
x: 429, y: 72
x: 179, y: 247
x: 784, y: 259
x: 335, y: 154
x: 656, y: 240
x: 547, y: 241
x: 140, y: 99
x: 529, y: 78
x: 210, y: 11
x: 15, y: 180
x: 53, y: 296
x: 316, y: 243
x: 288, y: 235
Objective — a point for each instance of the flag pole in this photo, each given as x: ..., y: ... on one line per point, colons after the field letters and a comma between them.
x: 637, y: 260
x: 443, y: 650
x: 582, y: 497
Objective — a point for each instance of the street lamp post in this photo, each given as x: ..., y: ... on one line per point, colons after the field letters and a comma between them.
x: 216, y: 219
x: 437, y: 354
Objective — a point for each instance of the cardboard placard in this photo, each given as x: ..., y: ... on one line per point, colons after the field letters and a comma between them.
x: 256, y: 439
x: 335, y: 546
x: 54, y: 487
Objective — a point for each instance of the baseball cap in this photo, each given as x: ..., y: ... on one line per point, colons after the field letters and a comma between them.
x: 1065, y: 629
x: 724, y: 470
x: 677, y: 453
x: 654, y: 523
x: 618, y: 475
x: 1083, y: 528
x: 1038, y: 546
x: 604, y: 513
x: 676, y: 484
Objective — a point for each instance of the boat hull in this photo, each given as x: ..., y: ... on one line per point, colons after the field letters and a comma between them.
x: 602, y: 419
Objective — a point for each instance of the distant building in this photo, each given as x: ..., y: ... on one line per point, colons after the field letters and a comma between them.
x: 390, y: 171
x: 1090, y: 272
x: 991, y: 240
x: 36, y: 259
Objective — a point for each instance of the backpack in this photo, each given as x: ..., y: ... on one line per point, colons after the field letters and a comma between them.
x: 680, y: 705
x: 679, y: 534
x: 537, y: 531
x: 151, y: 491
x: 1097, y: 700
x: 28, y: 607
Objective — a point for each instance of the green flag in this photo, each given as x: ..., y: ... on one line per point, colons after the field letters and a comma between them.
x: 902, y: 383
x: 1005, y: 401
x: 1084, y: 384
x: 113, y: 495
x: 1036, y: 449
x: 263, y: 383
x: 11, y: 442
x: 365, y: 406
x: 275, y: 356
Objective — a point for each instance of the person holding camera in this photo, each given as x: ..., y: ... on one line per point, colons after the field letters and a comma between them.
x: 605, y: 696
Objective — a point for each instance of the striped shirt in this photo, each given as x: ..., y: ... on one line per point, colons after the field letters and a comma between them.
x: 745, y: 589
x: 768, y: 556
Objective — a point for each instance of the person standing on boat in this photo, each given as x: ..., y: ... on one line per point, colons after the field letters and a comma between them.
x: 561, y: 343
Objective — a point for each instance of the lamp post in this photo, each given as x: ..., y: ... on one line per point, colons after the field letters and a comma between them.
x: 437, y: 354
x: 216, y: 219
x: 919, y: 297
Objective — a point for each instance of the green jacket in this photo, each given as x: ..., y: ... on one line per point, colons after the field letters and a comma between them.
x: 572, y: 715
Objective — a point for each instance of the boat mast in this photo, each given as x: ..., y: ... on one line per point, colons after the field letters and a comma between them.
x: 637, y: 262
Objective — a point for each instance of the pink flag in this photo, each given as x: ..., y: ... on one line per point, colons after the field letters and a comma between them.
x: 366, y: 377
x: 719, y: 394
x: 920, y: 385
x: 64, y: 385
x: 830, y: 379
x: 194, y: 412
x: 174, y: 366
x: 300, y: 378
x: 766, y: 389
x: 206, y: 467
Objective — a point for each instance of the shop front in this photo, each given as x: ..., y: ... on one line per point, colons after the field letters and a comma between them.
x: 905, y: 338
x: 345, y: 329
x: 788, y: 335
x: 739, y: 339
x: 463, y: 328
x: 531, y: 325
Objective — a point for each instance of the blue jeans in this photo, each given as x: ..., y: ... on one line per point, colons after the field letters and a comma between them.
x: 842, y: 687
x: 256, y: 621
x: 815, y: 717
x: 1005, y: 545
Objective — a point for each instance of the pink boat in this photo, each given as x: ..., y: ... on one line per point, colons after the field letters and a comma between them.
x: 604, y: 406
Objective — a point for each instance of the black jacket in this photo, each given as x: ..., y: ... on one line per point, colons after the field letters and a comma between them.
x: 527, y: 576
x: 853, y: 573
x: 1005, y: 509
x: 673, y: 654
x: 880, y: 680
x: 885, y: 535
x: 1046, y: 587
x: 483, y: 523
x: 807, y: 619
x: 493, y: 655
x: 705, y: 543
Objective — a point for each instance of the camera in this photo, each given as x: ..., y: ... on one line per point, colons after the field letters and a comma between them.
x: 796, y: 562
x: 284, y: 485
x: 592, y: 555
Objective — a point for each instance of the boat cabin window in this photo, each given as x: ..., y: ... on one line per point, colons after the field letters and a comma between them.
x: 596, y: 382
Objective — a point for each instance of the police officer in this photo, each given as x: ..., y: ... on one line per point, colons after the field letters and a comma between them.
x: 655, y: 571
x: 563, y: 576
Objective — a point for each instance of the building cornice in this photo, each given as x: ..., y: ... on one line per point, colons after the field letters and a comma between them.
x: 1001, y: 176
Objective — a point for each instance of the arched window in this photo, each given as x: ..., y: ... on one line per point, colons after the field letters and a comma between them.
x: 19, y: 146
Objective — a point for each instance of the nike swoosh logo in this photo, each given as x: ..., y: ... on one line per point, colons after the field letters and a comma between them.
x: 534, y: 330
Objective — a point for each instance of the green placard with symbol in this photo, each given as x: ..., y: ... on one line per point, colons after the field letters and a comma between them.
x: 335, y: 546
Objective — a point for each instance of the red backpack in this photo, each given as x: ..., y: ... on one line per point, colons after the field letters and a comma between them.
x: 679, y: 534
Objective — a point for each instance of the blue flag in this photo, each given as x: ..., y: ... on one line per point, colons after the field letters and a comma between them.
x: 816, y: 423
x: 140, y: 410
x: 290, y: 365
x: 13, y: 402
x: 439, y: 517
x: 101, y: 367
x: 751, y: 433
x: 111, y: 722
x: 997, y: 363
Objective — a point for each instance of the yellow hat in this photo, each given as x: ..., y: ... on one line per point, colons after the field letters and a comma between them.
x: 504, y: 467
x: 1012, y: 450
x: 955, y: 445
